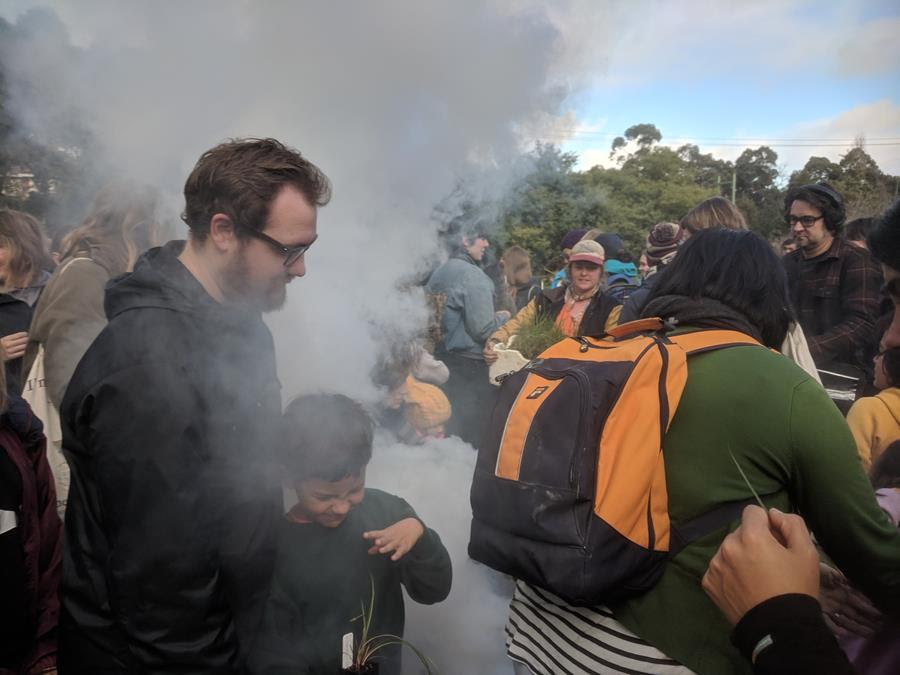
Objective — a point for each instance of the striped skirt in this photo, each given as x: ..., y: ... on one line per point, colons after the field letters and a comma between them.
x: 551, y: 637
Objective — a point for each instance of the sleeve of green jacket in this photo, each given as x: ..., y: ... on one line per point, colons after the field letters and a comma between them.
x: 837, y: 500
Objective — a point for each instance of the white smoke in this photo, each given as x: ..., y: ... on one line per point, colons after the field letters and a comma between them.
x: 396, y: 101
x: 463, y: 634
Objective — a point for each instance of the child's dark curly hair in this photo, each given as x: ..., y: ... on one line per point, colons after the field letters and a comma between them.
x: 326, y: 436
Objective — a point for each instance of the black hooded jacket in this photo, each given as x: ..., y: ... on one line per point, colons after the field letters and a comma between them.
x: 168, y: 424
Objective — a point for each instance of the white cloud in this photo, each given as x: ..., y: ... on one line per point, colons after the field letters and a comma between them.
x: 871, y: 48
x: 872, y: 121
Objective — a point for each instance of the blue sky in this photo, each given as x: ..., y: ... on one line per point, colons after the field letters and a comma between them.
x: 718, y: 73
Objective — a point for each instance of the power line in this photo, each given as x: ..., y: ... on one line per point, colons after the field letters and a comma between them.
x: 750, y: 142
x: 603, y: 134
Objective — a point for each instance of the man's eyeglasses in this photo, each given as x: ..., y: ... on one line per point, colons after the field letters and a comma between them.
x: 806, y: 221
x: 291, y: 253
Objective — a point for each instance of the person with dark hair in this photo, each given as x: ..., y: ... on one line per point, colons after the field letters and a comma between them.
x: 168, y: 425
x: 341, y: 547
x: 30, y: 543
x: 24, y: 266
x: 468, y: 318
x: 834, y: 286
x: 644, y: 267
x: 662, y: 245
x: 611, y: 242
x: 875, y: 420
x: 857, y: 231
x: 750, y: 407
x: 884, y: 244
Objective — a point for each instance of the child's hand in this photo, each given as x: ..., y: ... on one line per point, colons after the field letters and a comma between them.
x: 399, y: 538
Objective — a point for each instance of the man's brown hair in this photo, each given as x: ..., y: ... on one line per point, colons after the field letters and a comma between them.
x: 241, y: 177
x: 23, y: 235
x: 713, y: 213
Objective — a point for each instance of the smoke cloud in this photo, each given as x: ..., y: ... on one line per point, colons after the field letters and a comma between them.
x: 463, y: 634
x: 398, y: 102
x: 394, y: 100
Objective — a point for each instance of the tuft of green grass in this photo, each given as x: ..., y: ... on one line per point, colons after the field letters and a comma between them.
x: 536, y: 336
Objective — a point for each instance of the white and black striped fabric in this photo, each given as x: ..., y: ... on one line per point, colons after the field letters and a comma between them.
x: 551, y: 637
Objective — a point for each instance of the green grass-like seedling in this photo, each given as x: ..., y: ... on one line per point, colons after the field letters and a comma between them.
x: 370, y: 645
x: 746, y: 480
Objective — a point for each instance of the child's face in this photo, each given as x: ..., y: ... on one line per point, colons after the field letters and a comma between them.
x: 328, y: 503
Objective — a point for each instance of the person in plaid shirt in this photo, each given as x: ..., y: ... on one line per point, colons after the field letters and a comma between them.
x: 834, y: 285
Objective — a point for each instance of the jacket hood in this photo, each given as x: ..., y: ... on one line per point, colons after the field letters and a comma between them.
x: 891, y: 399
x: 159, y: 280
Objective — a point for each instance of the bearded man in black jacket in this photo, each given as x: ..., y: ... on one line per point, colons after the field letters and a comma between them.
x: 168, y: 423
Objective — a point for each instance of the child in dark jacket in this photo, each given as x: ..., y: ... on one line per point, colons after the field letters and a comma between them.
x: 342, y: 547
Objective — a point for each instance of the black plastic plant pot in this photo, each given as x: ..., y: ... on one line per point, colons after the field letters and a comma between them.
x: 366, y: 669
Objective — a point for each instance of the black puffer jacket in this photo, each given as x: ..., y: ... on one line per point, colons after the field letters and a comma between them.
x: 168, y: 423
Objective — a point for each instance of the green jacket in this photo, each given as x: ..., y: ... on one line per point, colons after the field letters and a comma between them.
x: 794, y: 446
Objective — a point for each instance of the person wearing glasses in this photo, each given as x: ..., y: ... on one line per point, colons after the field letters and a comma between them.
x: 834, y: 285
x: 168, y: 422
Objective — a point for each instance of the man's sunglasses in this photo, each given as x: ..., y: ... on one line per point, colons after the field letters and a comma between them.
x: 291, y: 253
x: 806, y: 221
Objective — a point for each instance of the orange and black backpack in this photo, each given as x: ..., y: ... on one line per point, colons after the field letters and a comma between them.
x: 569, y: 492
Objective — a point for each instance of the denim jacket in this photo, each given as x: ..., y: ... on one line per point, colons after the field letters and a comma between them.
x: 468, y: 317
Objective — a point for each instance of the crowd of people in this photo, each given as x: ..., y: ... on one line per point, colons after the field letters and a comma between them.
x: 146, y: 452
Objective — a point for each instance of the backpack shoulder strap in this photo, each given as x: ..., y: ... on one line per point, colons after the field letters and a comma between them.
x: 706, y: 523
x: 700, y: 341
x: 650, y: 324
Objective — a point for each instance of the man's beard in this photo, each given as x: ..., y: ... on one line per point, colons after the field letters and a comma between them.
x: 241, y: 289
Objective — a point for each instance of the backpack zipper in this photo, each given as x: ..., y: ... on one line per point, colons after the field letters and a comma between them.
x: 584, y: 389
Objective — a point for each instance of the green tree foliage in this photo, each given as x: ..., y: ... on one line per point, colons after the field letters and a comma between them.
x: 57, y: 154
x: 757, y: 193
x: 654, y: 183
x: 866, y: 189
x: 816, y: 170
x: 550, y: 202
x: 645, y: 134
